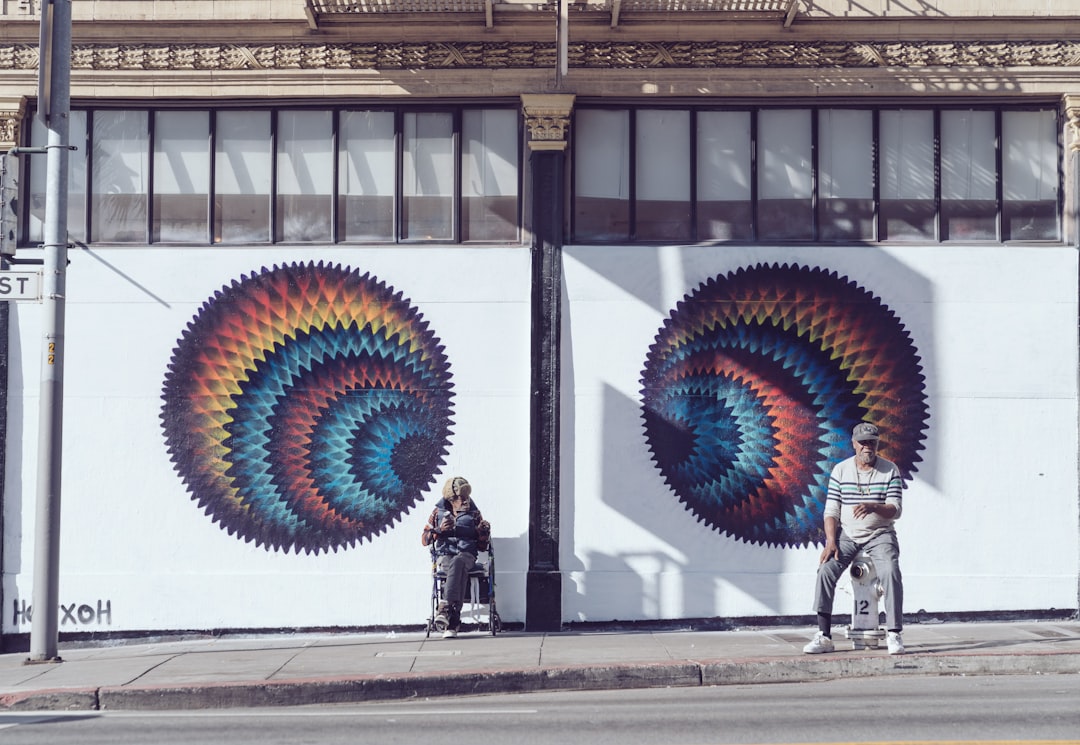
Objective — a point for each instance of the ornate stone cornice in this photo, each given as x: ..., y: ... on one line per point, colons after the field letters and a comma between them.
x: 582, y: 54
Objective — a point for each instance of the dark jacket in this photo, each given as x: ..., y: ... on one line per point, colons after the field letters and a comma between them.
x: 469, y: 532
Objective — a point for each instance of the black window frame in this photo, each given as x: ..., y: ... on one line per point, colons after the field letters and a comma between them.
x: 455, y: 109
x: 999, y: 108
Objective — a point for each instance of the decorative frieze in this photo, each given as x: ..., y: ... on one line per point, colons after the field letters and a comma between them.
x: 582, y: 54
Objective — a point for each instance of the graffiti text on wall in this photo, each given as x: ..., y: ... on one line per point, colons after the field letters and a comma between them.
x: 75, y: 614
x: 307, y: 407
x: 753, y: 385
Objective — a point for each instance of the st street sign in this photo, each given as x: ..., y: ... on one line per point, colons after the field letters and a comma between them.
x: 20, y: 285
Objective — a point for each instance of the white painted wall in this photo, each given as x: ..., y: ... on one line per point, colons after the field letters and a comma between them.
x: 137, y: 553
x: 990, y: 517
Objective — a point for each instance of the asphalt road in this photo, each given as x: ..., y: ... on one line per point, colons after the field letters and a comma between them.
x: 1038, y: 708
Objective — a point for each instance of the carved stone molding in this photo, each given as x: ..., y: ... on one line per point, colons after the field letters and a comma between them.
x: 547, y: 119
x: 582, y: 54
x: 11, y: 116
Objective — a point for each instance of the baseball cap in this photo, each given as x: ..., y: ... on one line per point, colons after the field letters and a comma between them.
x: 864, y: 431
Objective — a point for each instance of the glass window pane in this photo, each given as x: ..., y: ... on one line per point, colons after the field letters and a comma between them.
x: 428, y: 177
x: 366, y: 176
x: 785, y: 206
x: 119, y: 166
x: 724, y: 209
x: 1030, y: 175
x: 846, y: 180
x: 968, y: 171
x: 181, y: 176
x: 602, y: 175
x: 305, y: 176
x: 907, y: 175
x: 662, y: 177
x: 242, y: 177
x: 489, y: 175
x: 76, y: 207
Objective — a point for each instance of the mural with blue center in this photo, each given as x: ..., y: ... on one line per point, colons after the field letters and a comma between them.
x: 307, y: 407
x: 753, y: 384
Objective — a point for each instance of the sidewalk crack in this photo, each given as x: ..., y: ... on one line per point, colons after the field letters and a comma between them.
x: 285, y: 664
x: 150, y: 669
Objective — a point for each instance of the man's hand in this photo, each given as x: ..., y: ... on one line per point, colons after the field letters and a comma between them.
x: 831, y: 551
x: 865, y: 509
x: 447, y: 524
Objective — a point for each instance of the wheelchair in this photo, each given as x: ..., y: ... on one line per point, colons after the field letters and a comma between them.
x: 478, y: 607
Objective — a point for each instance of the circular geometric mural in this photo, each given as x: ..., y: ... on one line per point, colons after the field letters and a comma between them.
x: 307, y: 407
x: 753, y: 385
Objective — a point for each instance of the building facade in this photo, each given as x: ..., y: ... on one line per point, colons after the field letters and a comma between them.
x: 634, y: 269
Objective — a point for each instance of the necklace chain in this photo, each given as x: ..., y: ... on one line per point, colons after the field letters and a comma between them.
x: 864, y: 489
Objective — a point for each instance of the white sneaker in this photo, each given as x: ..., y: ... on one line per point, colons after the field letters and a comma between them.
x: 820, y: 643
x: 449, y: 634
x: 895, y: 642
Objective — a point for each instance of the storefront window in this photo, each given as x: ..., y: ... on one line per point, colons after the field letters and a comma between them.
x: 908, y: 207
x: 1030, y: 175
x: 76, y: 205
x: 119, y: 177
x: 968, y: 183
x: 489, y: 175
x: 846, y: 175
x: 428, y: 177
x: 305, y: 176
x: 662, y: 177
x: 834, y: 175
x: 785, y: 178
x: 181, y: 186
x: 725, y: 210
x: 602, y: 175
x: 242, y: 177
x: 367, y: 164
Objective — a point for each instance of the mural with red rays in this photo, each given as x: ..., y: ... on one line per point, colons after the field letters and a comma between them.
x: 751, y: 389
x: 307, y: 407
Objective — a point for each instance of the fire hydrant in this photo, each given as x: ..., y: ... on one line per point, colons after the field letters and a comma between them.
x: 864, y: 631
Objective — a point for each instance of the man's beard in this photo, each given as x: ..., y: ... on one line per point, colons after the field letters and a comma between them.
x: 866, y: 459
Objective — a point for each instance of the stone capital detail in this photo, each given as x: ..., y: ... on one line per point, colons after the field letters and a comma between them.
x: 1072, y: 128
x: 547, y: 119
x: 12, y: 112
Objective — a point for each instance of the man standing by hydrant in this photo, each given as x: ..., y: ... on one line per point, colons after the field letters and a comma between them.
x: 862, y: 504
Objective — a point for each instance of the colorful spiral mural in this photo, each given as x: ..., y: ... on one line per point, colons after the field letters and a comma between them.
x: 752, y: 387
x: 307, y: 407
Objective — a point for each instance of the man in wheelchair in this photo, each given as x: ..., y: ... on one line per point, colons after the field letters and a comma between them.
x: 459, y: 532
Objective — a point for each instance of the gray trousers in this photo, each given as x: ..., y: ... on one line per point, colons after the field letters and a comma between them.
x: 457, y: 568
x: 884, y: 551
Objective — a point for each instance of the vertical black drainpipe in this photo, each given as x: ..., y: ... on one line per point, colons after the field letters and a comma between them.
x: 543, y: 586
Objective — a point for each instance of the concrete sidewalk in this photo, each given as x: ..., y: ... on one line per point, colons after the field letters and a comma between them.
x: 277, y: 670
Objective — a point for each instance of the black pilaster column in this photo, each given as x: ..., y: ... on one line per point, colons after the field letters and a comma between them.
x: 547, y: 119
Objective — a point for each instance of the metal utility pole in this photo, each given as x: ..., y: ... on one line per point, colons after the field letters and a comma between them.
x: 562, y: 42
x: 54, y: 109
